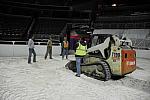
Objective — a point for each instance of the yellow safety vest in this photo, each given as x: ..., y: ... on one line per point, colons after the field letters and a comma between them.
x: 81, y: 50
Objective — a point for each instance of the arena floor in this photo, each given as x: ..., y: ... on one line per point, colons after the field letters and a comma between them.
x: 50, y: 80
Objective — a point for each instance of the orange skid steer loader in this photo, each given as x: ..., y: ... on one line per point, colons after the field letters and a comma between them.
x: 113, y: 57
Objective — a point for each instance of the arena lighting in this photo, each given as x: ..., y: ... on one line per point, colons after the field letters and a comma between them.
x: 89, y: 32
x: 114, y: 5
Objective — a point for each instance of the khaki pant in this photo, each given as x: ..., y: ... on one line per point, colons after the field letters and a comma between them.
x: 48, y: 51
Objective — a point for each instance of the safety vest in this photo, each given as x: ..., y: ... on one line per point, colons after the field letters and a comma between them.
x: 81, y: 50
x: 65, y: 44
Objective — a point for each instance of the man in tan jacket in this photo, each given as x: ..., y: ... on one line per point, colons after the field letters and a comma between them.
x: 49, y: 48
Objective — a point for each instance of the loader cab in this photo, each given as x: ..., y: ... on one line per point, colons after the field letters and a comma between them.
x: 99, y: 39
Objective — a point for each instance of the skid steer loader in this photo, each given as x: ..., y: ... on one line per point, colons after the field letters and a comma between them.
x: 113, y: 57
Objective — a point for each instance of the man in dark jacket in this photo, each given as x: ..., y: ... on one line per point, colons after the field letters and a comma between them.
x: 81, y: 48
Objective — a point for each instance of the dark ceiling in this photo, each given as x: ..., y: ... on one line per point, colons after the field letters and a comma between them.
x: 78, y: 2
x: 103, y: 7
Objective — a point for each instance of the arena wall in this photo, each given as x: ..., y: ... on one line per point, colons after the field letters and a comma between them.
x: 7, y: 50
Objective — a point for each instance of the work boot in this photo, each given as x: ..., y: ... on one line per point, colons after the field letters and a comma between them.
x: 77, y: 75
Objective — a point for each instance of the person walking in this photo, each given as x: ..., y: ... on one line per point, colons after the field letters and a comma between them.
x: 81, y: 50
x: 65, y: 46
x: 49, y: 49
x: 31, y: 50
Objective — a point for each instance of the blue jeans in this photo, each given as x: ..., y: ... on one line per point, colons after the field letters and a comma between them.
x: 65, y: 52
x: 31, y: 50
x: 78, y: 63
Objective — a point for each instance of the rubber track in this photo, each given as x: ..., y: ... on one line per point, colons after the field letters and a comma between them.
x: 106, y: 70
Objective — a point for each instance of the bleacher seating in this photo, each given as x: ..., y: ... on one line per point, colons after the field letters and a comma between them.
x: 123, y: 22
x: 140, y: 37
x: 13, y: 27
x: 41, y: 2
x: 46, y: 26
x: 123, y: 25
x: 141, y: 43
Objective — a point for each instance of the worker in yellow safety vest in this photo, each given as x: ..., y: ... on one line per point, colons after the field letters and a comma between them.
x: 81, y: 50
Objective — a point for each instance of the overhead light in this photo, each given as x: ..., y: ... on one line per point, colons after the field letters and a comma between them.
x: 114, y: 5
x: 134, y: 14
x: 89, y: 32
